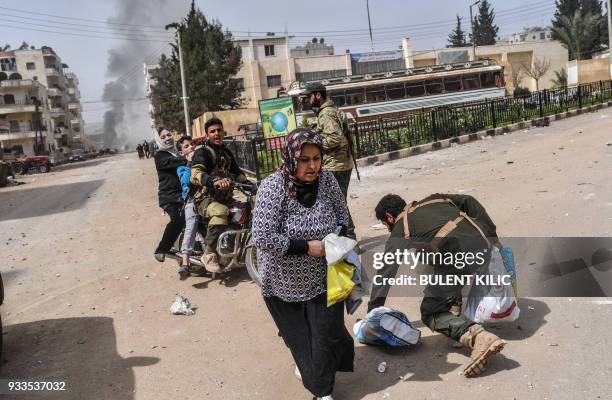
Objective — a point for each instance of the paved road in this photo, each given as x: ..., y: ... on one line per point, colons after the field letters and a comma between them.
x: 86, y: 301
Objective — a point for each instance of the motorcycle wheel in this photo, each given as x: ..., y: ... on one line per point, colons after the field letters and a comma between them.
x: 18, y: 169
x: 43, y: 168
x: 250, y: 259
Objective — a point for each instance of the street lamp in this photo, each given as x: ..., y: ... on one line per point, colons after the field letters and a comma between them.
x: 472, y: 25
x: 183, y: 84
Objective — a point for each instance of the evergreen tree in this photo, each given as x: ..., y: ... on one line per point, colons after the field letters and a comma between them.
x: 598, y: 31
x: 457, y: 36
x: 210, y: 60
x: 485, y: 30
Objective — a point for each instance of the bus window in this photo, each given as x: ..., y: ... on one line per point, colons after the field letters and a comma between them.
x: 415, y: 89
x: 452, y: 84
x: 355, y: 96
x: 395, y: 91
x: 434, y: 86
x: 471, y: 82
x: 487, y: 80
x: 338, y: 98
x: 375, y: 94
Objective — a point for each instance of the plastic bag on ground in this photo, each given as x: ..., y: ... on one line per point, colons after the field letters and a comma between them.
x: 494, y: 303
x: 387, y: 327
x: 181, y: 306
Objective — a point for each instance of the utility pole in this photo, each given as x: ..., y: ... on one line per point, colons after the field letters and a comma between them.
x: 370, y: 25
x: 184, y: 87
x: 472, y: 25
x: 610, y: 35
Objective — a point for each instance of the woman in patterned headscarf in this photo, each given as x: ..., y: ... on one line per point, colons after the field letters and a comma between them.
x: 297, y: 206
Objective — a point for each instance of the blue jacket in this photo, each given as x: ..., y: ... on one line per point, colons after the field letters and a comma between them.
x: 184, y: 174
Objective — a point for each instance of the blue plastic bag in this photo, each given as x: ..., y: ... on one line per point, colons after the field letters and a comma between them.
x: 387, y: 327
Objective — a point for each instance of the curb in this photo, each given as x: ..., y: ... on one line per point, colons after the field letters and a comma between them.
x: 470, y: 137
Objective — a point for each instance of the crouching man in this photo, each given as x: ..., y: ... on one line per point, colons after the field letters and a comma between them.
x: 442, y: 225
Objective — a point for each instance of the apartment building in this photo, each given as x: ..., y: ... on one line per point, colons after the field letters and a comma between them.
x: 41, y: 75
x: 534, y: 34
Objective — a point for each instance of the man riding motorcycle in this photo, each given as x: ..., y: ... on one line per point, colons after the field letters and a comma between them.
x: 213, y: 168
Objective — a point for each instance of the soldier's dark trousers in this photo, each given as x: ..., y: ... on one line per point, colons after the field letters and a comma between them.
x: 435, y: 314
x: 344, y: 179
x: 212, y: 236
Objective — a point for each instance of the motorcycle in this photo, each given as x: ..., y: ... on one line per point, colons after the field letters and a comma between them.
x: 234, y: 247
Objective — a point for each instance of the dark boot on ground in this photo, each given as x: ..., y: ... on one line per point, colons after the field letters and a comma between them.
x: 483, y: 345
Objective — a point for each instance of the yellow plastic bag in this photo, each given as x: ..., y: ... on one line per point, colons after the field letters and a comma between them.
x: 339, y: 282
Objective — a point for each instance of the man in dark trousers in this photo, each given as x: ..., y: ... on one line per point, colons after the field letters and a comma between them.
x: 446, y: 224
x: 167, y: 160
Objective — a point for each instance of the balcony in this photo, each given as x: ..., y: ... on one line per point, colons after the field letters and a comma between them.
x: 71, y: 91
x: 74, y: 106
x: 75, y: 122
x: 23, y: 130
x: 18, y: 106
x: 54, y: 92
x: 50, y: 71
x: 15, y: 83
x: 57, y: 112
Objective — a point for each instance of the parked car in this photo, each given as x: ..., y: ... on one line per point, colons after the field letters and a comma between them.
x: 40, y: 164
x: 77, y: 155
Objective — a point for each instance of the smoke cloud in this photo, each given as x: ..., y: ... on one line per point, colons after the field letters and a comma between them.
x: 128, y: 122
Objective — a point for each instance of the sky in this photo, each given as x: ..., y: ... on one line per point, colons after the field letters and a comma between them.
x: 89, y: 30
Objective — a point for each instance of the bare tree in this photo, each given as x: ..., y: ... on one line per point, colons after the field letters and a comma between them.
x: 517, y: 75
x: 536, y: 70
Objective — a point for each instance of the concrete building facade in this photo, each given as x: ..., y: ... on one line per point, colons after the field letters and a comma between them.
x: 530, y: 35
x: 58, y: 93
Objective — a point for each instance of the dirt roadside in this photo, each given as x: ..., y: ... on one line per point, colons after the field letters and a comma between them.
x: 86, y: 301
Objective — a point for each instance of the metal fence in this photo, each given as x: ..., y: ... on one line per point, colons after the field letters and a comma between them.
x: 260, y: 157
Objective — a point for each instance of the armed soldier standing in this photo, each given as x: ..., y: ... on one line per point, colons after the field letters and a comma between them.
x: 213, y: 168
x: 337, y: 145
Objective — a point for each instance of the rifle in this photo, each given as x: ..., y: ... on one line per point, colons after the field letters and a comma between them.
x: 349, y: 138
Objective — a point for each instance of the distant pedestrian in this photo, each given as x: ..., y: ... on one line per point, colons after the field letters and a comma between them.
x: 140, y: 151
x: 152, y: 147
x: 145, y: 147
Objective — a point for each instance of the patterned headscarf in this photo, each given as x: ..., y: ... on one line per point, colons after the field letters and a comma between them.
x: 291, y: 151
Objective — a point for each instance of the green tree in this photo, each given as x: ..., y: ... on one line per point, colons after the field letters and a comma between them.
x: 457, y: 36
x: 485, y: 30
x: 577, y: 34
x: 598, y: 30
x: 210, y: 60
x: 560, y: 79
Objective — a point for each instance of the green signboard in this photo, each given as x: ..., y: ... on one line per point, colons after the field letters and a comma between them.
x: 277, y: 116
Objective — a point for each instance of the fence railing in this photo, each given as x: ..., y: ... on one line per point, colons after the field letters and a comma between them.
x: 260, y: 156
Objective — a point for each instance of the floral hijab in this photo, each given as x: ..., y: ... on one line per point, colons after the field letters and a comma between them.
x: 291, y: 152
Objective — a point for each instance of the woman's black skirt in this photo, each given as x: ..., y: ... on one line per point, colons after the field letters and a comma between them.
x: 317, y: 338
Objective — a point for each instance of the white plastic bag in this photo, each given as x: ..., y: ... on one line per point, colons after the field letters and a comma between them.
x: 181, y: 306
x: 495, y: 303
x: 337, y: 247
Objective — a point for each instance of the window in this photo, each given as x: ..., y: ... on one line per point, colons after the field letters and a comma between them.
x: 269, y: 50
x: 30, y: 66
x: 14, y: 126
x: 9, y: 99
x: 471, y: 82
x: 487, y: 80
x: 355, y: 96
x: 434, y: 86
x: 415, y: 89
x: 274, y: 80
x: 239, y: 83
x: 533, y: 37
x: 542, y: 35
x: 452, y: 84
x: 396, y: 91
x: 338, y: 98
x: 375, y: 94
